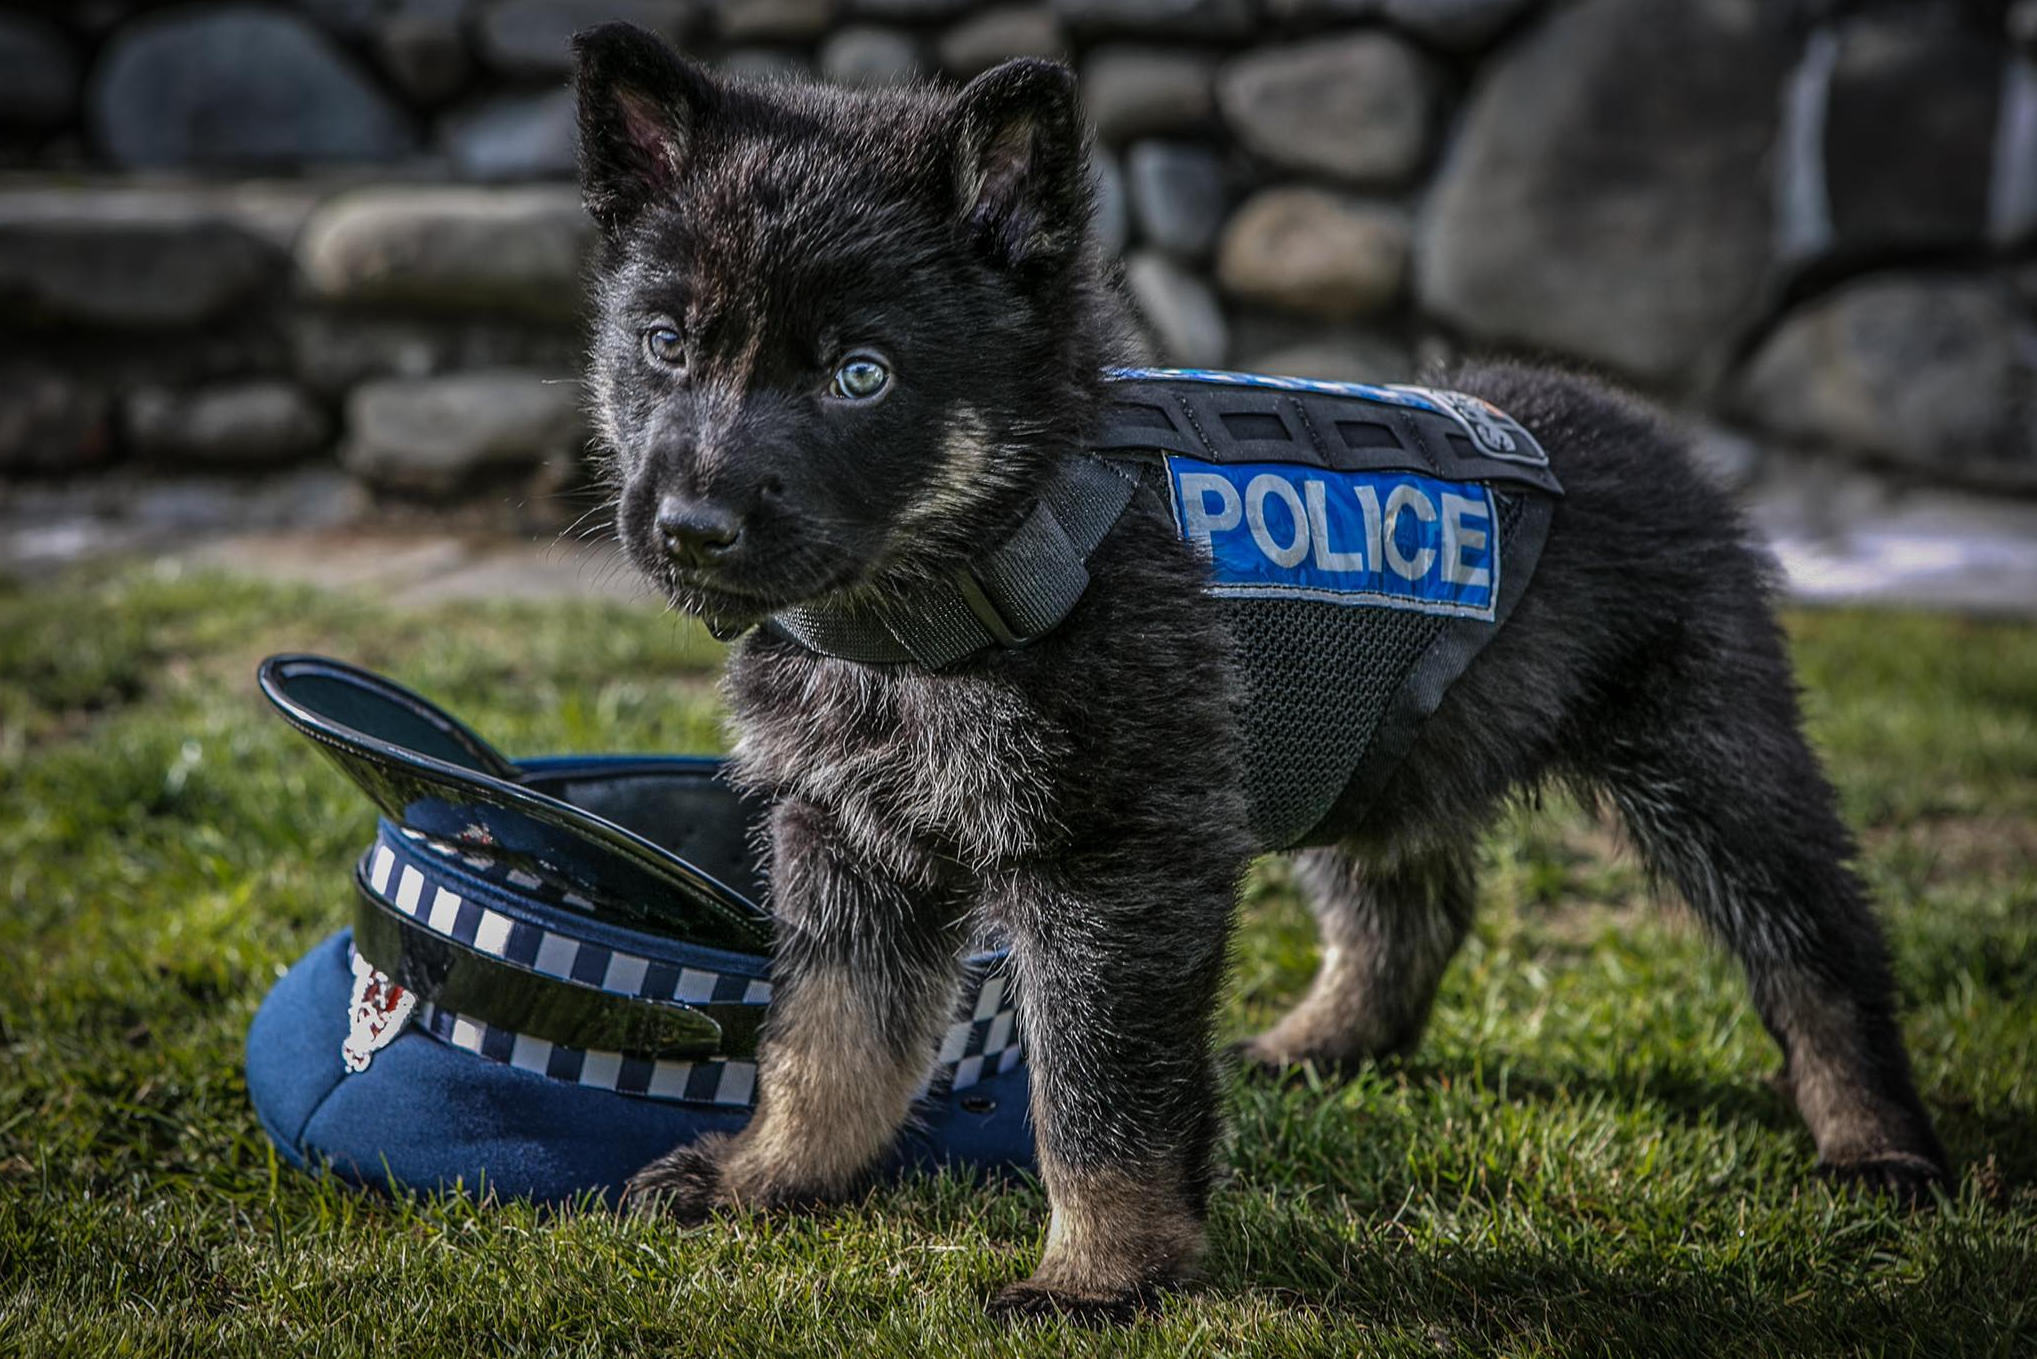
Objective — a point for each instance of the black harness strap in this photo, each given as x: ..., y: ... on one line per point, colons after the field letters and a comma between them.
x: 1017, y: 592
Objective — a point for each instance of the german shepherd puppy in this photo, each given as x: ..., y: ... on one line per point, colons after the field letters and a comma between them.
x: 841, y: 340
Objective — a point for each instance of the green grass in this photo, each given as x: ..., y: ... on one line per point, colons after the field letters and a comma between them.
x: 1582, y: 1158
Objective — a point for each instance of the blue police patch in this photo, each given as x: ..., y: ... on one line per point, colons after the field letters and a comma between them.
x: 1392, y: 539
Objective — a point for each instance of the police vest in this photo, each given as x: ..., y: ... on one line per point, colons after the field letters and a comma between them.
x: 1364, y: 544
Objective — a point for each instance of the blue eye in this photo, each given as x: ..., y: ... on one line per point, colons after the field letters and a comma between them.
x: 665, y: 345
x: 860, y: 379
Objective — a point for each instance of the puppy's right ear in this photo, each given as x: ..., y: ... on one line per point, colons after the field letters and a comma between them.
x: 641, y: 107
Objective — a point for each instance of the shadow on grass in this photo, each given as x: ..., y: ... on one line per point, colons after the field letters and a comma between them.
x: 1470, y: 1299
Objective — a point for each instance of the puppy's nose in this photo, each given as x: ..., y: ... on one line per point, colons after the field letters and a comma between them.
x: 697, y: 531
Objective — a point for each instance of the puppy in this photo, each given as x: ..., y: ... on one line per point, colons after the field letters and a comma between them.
x: 844, y: 342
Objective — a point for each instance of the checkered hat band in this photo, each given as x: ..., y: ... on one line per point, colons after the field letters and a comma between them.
x: 724, y: 1083
x: 469, y: 913
x: 982, y: 1040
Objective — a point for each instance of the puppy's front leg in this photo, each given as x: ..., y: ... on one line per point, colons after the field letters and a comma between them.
x: 864, y: 981
x: 1117, y: 985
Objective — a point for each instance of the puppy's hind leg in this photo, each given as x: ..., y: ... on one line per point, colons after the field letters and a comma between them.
x: 1387, y: 936
x: 1706, y: 763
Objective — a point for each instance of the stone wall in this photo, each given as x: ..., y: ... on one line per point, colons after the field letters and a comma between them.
x: 339, y: 233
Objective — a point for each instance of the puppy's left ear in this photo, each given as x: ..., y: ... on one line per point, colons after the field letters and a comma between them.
x: 641, y: 106
x: 1017, y: 156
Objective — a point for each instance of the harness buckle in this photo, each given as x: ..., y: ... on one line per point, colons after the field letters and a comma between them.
x: 985, y: 609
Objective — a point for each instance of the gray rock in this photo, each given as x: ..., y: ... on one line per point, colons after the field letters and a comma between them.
x: 773, y: 20
x: 910, y: 11
x: 453, y: 248
x: 333, y: 351
x: 50, y: 422
x: 1727, y: 458
x: 534, y: 37
x: 38, y: 73
x: 1173, y: 18
x: 1608, y: 196
x: 1338, y: 355
x: 1187, y: 324
x: 1456, y: 24
x: 513, y: 136
x: 1177, y: 194
x: 983, y: 40
x: 1936, y: 373
x: 1358, y: 108
x: 1146, y: 91
x: 237, y: 86
x: 1314, y: 252
x: 764, y: 64
x: 126, y: 258
x: 423, y: 47
x: 258, y: 422
x: 861, y: 55
x: 1909, y: 146
x: 434, y: 435
x: 348, y: 18
x: 1112, y: 221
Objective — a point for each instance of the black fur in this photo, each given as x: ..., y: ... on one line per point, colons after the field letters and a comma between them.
x: 1070, y: 795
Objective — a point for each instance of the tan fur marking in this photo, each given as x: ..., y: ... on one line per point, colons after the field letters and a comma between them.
x: 1830, y: 1078
x: 957, y: 483
x: 1327, y: 1024
x: 1383, y: 954
x: 831, y: 1097
x: 1115, y: 1232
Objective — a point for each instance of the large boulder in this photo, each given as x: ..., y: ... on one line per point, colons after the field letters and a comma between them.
x: 257, y: 423
x: 433, y: 436
x: 1131, y: 91
x: 1909, y: 148
x: 333, y: 350
x: 1315, y: 253
x: 1290, y: 346
x: 452, y: 248
x: 127, y: 258
x: 1358, y: 108
x: 774, y: 20
x: 1457, y: 24
x: 999, y: 34
x: 1112, y: 220
x: 1179, y: 309
x: 535, y: 37
x: 513, y: 136
x: 238, y: 86
x: 1177, y: 194
x: 1173, y: 18
x: 1608, y: 197
x: 865, y: 55
x: 1930, y: 372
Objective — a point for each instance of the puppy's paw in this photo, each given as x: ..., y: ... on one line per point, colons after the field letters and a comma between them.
x: 1907, y: 1178
x: 1261, y: 1060
x: 685, y: 1185
x: 1030, y: 1298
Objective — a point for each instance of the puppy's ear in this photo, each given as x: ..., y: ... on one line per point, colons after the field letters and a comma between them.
x: 1017, y: 152
x: 641, y: 107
